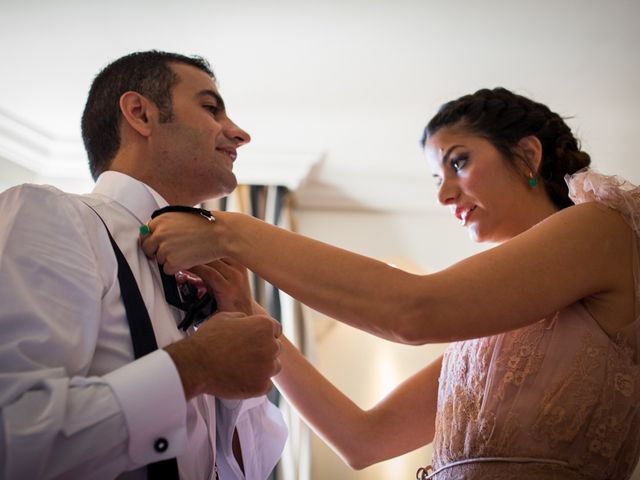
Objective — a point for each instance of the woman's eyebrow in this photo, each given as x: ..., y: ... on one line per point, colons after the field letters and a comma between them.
x: 448, y: 153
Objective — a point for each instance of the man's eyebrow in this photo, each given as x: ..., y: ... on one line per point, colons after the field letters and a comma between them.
x: 216, y: 96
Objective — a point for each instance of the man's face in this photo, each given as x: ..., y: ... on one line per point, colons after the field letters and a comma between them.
x: 195, y: 151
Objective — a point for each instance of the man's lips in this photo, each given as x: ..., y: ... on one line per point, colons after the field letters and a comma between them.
x: 230, y: 152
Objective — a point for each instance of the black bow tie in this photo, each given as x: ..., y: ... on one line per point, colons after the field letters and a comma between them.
x: 185, y: 296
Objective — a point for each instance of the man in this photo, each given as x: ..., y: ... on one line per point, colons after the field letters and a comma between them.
x: 75, y: 402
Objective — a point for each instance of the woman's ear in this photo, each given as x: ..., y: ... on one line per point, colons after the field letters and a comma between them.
x: 531, y: 149
x: 138, y: 112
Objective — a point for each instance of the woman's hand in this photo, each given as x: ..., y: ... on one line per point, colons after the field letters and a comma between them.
x: 228, y: 282
x: 179, y: 241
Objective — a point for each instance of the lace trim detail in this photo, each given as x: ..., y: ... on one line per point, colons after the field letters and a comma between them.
x: 610, y: 190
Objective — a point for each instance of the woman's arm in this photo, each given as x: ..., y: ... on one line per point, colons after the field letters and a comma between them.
x: 400, y: 423
x: 579, y: 252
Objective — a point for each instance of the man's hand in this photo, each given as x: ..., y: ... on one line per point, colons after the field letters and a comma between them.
x: 230, y: 356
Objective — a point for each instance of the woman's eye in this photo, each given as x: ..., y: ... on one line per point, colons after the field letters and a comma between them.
x: 458, y: 163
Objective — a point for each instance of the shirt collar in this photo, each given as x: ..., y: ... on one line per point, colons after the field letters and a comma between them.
x: 137, y: 197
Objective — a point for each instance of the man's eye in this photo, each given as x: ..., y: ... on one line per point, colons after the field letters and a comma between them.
x: 214, y: 109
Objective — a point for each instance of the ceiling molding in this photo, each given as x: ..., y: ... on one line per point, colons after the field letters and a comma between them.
x: 62, y: 162
x: 39, y: 151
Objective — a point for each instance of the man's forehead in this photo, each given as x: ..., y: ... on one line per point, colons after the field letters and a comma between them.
x: 193, y: 75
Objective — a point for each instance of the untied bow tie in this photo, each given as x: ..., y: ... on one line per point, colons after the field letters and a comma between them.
x: 185, y: 296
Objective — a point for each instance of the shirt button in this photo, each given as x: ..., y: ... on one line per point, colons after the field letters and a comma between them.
x: 161, y: 445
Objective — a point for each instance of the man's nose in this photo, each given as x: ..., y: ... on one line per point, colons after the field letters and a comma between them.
x: 235, y: 133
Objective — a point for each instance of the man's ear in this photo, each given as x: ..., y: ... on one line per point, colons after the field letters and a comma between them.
x: 531, y: 149
x: 138, y: 112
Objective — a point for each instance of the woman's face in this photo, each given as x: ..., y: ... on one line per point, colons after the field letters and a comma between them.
x: 485, y: 193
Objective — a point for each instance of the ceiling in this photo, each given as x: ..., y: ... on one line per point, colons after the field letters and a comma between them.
x: 344, y: 85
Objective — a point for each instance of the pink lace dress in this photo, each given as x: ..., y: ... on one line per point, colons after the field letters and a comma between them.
x: 556, y: 399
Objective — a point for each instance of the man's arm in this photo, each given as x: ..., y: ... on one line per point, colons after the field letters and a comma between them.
x: 59, y: 416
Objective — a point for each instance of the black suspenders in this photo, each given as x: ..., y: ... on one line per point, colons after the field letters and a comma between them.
x: 143, y: 339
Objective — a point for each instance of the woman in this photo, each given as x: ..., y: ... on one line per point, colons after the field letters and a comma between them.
x: 542, y: 380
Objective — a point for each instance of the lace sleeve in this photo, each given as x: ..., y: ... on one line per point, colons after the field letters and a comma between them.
x: 613, y: 191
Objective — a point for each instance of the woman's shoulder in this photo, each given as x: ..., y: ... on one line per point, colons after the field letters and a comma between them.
x: 591, y: 239
x: 590, y: 221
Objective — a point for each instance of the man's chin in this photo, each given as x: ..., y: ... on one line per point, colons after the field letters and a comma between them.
x: 224, y: 188
x: 230, y: 186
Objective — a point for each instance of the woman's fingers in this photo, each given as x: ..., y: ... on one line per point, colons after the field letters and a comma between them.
x: 178, y: 241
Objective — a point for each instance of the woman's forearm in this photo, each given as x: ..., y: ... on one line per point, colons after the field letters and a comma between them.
x: 333, y: 416
x: 400, y: 423
x: 357, y: 290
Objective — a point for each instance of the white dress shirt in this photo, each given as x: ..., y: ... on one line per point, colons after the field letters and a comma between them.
x: 74, y: 402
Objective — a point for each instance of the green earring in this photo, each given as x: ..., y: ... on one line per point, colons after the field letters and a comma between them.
x: 533, y: 181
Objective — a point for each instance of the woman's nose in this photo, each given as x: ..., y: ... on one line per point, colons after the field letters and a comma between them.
x: 447, y: 192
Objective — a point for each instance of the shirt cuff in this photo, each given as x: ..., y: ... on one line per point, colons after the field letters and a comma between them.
x: 152, y: 399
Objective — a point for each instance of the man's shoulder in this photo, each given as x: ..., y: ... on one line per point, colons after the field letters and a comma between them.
x: 31, y: 199
x: 34, y: 200
x: 42, y: 194
x: 45, y: 208
x: 32, y: 190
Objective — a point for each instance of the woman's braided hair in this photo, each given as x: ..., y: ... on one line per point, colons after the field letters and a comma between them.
x: 504, y: 118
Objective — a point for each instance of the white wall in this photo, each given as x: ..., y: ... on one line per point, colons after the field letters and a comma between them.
x: 12, y: 174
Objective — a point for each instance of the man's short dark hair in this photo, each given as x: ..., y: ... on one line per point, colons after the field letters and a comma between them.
x: 147, y: 73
